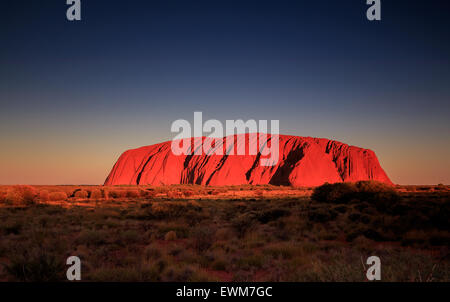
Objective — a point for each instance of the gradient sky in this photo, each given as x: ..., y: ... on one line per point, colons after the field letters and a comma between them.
x: 75, y: 95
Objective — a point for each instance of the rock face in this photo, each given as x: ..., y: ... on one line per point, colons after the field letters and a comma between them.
x: 303, y: 161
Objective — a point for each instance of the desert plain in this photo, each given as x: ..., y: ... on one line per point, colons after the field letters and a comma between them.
x: 231, y: 233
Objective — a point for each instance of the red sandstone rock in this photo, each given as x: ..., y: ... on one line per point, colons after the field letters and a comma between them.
x: 303, y: 161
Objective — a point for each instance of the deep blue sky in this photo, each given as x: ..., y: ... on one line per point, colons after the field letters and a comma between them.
x: 74, y: 95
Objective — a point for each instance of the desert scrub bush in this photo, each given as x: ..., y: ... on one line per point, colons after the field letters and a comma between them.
x: 188, y: 193
x: 129, y: 236
x: 439, y: 238
x: 152, y: 252
x: 327, y: 233
x: 248, y: 262
x: 115, y: 274
x: 21, y: 195
x: 354, y: 217
x: 341, y: 208
x: 440, y: 187
x: 105, y: 192
x: 242, y: 276
x: 243, y: 223
x: 82, y: 194
x: 36, y: 265
x: 259, y: 194
x: 135, y: 273
x: 28, y: 193
x: 377, y: 193
x: 333, y: 193
x: 337, y: 268
x: 171, y: 235
x: 96, y: 194
x: 415, y: 238
x: 2, y: 195
x: 321, y: 214
x: 195, y: 216
x: 57, y: 196
x: 369, y: 233
x: 147, y: 194
x: 12, y: 226
x: 203, y: 238
x: 283, y: 250
x: 92, y: 237
x: 219, y: 265
x: 363, y: 244
x: 12, y: 196
x: 132, y: 194
x: 185, y: 273
x: 167, y: 210
x: 181, y: 230
x: 223, y: 234
x: 271, y: 215
x: 174, y: 194
x: 43, y: 195
x: 117, y: 193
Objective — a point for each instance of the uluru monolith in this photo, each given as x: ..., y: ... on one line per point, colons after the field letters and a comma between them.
x: 303, y: 161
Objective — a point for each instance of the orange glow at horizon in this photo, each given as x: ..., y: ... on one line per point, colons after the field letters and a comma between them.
x: 65, y: 161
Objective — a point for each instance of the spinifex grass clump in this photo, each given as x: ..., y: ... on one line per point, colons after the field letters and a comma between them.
x: 377, y: 193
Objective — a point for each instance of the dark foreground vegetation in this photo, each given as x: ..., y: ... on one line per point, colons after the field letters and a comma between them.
x: 193, y: 233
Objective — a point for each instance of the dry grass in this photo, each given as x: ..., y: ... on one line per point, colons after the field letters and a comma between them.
x: 223, y: 234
